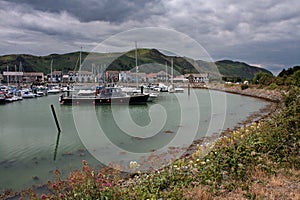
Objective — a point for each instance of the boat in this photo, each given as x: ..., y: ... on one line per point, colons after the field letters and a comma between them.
x: 172, y: 88
x: 152, y: 96
x: 26, y: 94
x: 2, y: 98
x: 105, y: 96
x: 162, y: 87
x: 54, y: 90
x: 10, y: 97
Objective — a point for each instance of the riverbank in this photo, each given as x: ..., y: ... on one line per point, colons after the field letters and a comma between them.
x: 240, y: 161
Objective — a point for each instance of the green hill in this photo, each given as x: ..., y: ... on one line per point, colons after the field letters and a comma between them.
x: 238, y: 69
x: 149, y: 60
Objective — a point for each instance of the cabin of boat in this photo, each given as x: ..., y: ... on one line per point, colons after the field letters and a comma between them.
x: 105, y: 96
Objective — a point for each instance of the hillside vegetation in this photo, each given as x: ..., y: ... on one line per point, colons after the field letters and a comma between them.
x: 152, y: 60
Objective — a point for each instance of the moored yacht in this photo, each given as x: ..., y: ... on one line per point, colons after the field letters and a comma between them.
x: 105, y: 96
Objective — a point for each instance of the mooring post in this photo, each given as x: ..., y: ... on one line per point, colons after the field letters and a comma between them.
x: 56, y: 146
x: 55, y: 118
x: 188, y: 89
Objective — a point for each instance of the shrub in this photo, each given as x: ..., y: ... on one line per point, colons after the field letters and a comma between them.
x: 272, y: 86
x: 244, y: 86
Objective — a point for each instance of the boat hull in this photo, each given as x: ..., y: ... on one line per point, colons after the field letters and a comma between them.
x: 2, y: 101
x: 126, y: 100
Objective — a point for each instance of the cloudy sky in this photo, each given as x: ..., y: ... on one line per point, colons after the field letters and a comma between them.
x: 261, y: 32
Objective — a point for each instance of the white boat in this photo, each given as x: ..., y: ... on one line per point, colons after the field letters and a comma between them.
x: 172, y: 88
x: 27, y: 94
x: 162, y: 87
x: 54, y: 90
x: 86, y: 92
x: 152, y: 96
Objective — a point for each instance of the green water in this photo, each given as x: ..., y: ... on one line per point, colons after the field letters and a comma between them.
x: 28, y: 133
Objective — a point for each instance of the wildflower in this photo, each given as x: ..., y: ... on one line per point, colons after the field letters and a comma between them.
x: 57, y: 172
x: 84, y: 162
x: 202, y: 163
x: 108, y: 184
x: 54, y: 186
x: 133, y: 165
x: 43, y: 196
x: 61, y: 195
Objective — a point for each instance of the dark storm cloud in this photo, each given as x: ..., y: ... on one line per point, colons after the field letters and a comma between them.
x: 93, y: 10
x: 263, y: 32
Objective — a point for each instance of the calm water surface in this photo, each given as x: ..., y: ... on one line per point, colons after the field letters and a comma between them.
x: 28, y: 133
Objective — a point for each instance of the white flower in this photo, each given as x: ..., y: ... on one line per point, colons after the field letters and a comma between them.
x: 133, y: 165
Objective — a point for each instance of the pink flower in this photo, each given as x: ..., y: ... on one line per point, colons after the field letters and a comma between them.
x: 61, y: 195
x: 108, y: 184
x: 43, y: 196
x: 54, y: 186
x: 84, y: 162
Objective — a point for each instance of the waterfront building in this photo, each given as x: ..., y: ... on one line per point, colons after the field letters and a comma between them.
x: 197, y: 78
x: 55, y: 77
x: 33, y: 77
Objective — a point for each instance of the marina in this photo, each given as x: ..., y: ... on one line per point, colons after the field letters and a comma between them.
x: 29, y: 136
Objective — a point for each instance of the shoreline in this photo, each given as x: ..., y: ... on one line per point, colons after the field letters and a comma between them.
x: 273, y: 97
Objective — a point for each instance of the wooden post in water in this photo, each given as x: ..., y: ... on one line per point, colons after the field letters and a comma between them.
x: 188, y: 89
x: 55, y: 118
x: 56, y: 146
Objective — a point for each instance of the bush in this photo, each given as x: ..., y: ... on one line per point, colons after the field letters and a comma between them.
x: 244, y: 86
x: 272, y: 86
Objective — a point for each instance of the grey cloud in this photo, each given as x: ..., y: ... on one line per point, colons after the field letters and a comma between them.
x: 263, y: 32
x: 94, y: 10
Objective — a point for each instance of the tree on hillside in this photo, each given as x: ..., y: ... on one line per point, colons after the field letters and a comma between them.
x: 296, y: 78
x: 263, y: 78
x: 289, y: 71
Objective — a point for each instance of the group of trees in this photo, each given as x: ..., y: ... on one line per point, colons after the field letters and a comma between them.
x: 285, y: 77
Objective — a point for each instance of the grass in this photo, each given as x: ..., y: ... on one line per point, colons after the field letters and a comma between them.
x: 257, y: 161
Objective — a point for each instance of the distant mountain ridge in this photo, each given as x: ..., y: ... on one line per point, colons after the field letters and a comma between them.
x: 126, y: 61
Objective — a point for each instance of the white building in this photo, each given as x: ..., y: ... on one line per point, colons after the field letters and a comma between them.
x: 131, y: 77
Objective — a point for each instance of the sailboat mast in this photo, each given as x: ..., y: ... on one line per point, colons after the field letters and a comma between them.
x: 166, y: 72
x: 51, y: 71
x: 136, y: 66
x: 7, y: 75
x: 172, y: 72
x: 80, y: 58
